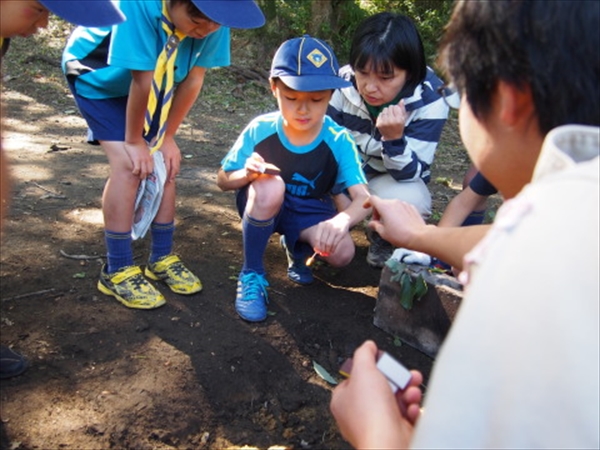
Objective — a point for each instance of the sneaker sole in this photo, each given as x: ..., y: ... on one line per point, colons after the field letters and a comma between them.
x: 105, y: 290
x: 307, y: 283
x: 253, y: 319
x: 154, y: 277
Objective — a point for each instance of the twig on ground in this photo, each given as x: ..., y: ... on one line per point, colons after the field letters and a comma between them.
x: 51, y: 193
x: 31, y: 294
x: 278, y: 292
x: 80, y: 257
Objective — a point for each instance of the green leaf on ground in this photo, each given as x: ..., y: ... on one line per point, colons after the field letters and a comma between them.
x: 323, y: 373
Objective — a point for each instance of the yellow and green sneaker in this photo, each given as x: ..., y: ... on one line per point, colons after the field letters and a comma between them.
x: 171, y: 270
x: 129, y: 286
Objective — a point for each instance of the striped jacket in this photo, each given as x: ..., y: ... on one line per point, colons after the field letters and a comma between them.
x: 409, y: 157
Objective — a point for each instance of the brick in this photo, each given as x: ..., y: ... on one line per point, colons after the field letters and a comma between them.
x: 425, y: 326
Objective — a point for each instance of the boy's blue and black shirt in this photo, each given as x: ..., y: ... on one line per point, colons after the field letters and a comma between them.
x: 330, y: 164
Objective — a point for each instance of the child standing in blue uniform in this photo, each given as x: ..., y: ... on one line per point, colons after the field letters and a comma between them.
x: 110, y: 72
x: 316, y: 158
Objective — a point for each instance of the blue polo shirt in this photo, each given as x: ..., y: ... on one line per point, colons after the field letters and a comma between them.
x: 112, y: 53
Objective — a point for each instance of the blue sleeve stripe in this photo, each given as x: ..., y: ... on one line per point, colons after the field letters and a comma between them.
x: 395, y: 148
x: 335, y: 114
x: 410, y: 171
x: 427, y: 130
x: 355, y: 123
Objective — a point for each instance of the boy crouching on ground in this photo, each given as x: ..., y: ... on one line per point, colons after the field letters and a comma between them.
x: 315, y: 160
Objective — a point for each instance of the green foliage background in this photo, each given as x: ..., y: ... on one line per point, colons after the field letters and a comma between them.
x: 292, y: 18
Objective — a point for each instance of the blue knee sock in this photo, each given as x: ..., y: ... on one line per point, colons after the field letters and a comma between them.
x: 256, y: 234
x: 162, y: 240
x: 302, y: 251
x: 475, y: 218
x: 119, y: 252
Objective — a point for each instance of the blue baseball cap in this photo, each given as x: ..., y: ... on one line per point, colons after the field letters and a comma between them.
x: 232, y: 13
x: 89, y: 13
x: 307, y: 64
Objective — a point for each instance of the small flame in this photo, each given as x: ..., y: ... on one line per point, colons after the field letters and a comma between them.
x: 310, y: 260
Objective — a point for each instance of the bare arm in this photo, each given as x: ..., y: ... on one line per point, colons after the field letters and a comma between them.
x: 185, y: 96
x: 327, y: 235
x: 135, y: 145
x: 461, y: 206
x: 236, y: 179
x: 401, y: 224
x: 183, y: 100
x: 355, y: 210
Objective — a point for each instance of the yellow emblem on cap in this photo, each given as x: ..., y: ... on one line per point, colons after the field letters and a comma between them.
x: 317, y: 58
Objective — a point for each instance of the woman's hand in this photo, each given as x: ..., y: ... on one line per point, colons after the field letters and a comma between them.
x: 391, y: 121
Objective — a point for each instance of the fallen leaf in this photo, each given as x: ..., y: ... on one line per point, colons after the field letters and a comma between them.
x: 323, y: 373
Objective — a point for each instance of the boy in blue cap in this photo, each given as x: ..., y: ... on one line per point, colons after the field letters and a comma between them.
x: 24, y: 18
x: 314, y: 159
x: 134, y: 102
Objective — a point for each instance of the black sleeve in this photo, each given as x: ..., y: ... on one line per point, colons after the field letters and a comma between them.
x: 482, y: 186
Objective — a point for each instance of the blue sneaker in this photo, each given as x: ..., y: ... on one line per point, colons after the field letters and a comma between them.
x: 297, y: 271
x: 251, y: 299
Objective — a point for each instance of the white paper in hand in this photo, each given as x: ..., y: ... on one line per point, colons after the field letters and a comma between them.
x: 411, y: 257
x: 148, y: 197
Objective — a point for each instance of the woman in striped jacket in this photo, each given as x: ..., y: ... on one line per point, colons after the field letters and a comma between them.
x: 395, y: 112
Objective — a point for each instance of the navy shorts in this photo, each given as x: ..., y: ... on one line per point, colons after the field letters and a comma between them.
x: 106, y: 117
x: 296, y: 214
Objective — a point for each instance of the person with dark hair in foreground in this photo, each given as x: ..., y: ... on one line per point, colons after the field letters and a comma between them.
x: 519, y: 367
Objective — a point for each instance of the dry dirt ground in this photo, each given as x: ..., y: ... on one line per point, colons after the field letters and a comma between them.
x: 190, y: 374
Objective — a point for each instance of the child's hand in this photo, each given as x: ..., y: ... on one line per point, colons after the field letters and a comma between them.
x: 330, y: 233
x: 254, y: 165
x: 141, y: 160
x: 391, y: 121
x: 366, y: 410
x: 172, y: 156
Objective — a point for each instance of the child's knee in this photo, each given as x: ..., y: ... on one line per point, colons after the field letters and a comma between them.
x: 267, y: 193
x: 343, y: 255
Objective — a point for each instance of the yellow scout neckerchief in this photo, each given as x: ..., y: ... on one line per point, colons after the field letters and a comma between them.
x: 165, y: 66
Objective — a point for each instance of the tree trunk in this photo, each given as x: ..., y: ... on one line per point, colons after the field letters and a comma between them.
x: 321, y: 13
